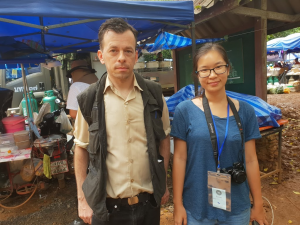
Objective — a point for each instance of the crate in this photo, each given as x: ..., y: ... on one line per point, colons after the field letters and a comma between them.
x: 21, y: 136
x: 6, y: 140
x: 23, y: 144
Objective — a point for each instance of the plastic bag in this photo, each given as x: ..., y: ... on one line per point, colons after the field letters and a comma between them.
x: 46, y: 108
x: 65, y: 125
x: 27, y: 172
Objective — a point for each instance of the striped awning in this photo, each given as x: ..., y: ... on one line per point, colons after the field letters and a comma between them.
x: 166, y: 40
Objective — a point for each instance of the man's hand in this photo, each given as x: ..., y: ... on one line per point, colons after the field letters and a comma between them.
x: 166, y: 196
x: 84, y: 210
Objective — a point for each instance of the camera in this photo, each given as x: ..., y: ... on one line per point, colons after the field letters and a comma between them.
x: 237, y: 172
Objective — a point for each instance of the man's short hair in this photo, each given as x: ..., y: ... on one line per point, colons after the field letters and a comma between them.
x: 117, y: 25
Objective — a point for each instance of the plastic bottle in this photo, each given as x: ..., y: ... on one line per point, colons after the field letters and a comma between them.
x: 270, y: 80
x: 275, y: 80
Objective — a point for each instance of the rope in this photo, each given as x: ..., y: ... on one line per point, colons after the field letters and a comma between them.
x: 14, y: 207
x: 271, y: 209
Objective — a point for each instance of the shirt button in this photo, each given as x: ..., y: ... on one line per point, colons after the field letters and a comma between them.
x: 126, y: 103
x: 131, y: 160
x: 131, y: 180
x: 129, y: 140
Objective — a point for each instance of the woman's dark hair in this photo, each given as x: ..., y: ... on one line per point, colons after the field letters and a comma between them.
x: 117, y: 25
x: 203, y: 51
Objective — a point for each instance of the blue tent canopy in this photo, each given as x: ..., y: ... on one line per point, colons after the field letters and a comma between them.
x: 166, y: 40
x: 14, y: 52
x: 68, y: 25
x: 289, y: 43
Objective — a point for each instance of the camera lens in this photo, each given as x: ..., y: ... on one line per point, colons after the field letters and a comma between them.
x: 239, y: 176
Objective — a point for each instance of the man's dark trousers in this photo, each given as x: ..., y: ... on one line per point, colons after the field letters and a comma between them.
x: 144, y: 213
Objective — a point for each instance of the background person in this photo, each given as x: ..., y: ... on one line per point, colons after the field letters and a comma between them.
x: 159, y: 57
x: 122, y: 132
x: 193, y: 156
x: 83, y: 76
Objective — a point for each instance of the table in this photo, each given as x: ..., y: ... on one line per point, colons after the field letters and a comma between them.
x: 17, y: 155
x: 14, y: 156
x: 266, y: 131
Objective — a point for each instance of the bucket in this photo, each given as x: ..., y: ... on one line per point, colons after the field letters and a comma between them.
x: 13, y: 123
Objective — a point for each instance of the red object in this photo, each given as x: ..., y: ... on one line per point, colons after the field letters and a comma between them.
x: 14, y: 123
x: 280, y: 122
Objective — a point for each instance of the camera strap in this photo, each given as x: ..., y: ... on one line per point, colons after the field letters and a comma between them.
x: 212, y: 129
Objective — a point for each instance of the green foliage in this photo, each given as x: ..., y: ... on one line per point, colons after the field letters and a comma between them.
x: 283, y: 33
x: 167, y: 54
x: 152, y: 56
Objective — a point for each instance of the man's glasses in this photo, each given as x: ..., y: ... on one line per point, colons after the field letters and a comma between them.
x: 206, y: 72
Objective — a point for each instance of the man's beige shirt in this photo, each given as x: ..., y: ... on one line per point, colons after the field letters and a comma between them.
x: 127, y: 159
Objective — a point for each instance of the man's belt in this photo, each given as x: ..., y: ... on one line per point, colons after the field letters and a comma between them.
x: 140, y: 198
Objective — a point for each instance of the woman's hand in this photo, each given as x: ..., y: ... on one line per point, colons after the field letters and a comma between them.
x: 258, y: 214
x: 180, y: 217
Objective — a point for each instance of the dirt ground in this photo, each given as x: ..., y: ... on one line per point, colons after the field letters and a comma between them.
x: 59, y: 206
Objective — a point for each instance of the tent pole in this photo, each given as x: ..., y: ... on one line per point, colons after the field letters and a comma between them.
x: 193, y: 53
x: 21, y: 23
x: 26, y: 98
x: 171, y: 24
x: 67, y: 46
x: 42, y: 34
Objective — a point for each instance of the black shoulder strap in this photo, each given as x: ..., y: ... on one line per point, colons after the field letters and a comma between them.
x: 211, y: 127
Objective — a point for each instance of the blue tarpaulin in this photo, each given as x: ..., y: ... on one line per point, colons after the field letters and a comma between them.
x: 290, y: 43
x: 15, y: 73
x: 166, y: 40
x: 267, y: 115
x: 14, y: 52
x: 48, y: 22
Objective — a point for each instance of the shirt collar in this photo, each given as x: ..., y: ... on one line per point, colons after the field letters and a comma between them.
x: 108, y: 83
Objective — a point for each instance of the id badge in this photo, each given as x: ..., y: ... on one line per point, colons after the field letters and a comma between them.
x: 219, y: 190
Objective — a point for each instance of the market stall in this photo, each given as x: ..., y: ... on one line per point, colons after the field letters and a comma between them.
x: 282, y: 50
x: 77, y: 29
x: 15, y: 140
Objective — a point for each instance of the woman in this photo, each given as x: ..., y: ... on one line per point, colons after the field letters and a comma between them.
x: 194, y: 152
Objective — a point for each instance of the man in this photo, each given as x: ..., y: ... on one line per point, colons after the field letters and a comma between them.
x: 159, y: 57
x: 83, y: 76
x: 128, y: 146
x: 296, y: 61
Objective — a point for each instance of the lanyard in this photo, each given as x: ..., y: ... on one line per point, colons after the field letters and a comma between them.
x: 213, y: 132
x: 220, y: 149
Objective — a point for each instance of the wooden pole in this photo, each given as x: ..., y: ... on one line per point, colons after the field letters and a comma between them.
x: 26, y: 97
x: 260, y: 27
x: 193, y: 53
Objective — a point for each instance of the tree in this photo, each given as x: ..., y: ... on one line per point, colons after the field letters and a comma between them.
x: 283, y: 33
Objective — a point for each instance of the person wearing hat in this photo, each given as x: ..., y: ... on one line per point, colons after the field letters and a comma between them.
x: 83, y: 76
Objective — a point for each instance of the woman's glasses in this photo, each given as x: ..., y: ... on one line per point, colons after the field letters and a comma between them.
x: 218, y: 70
